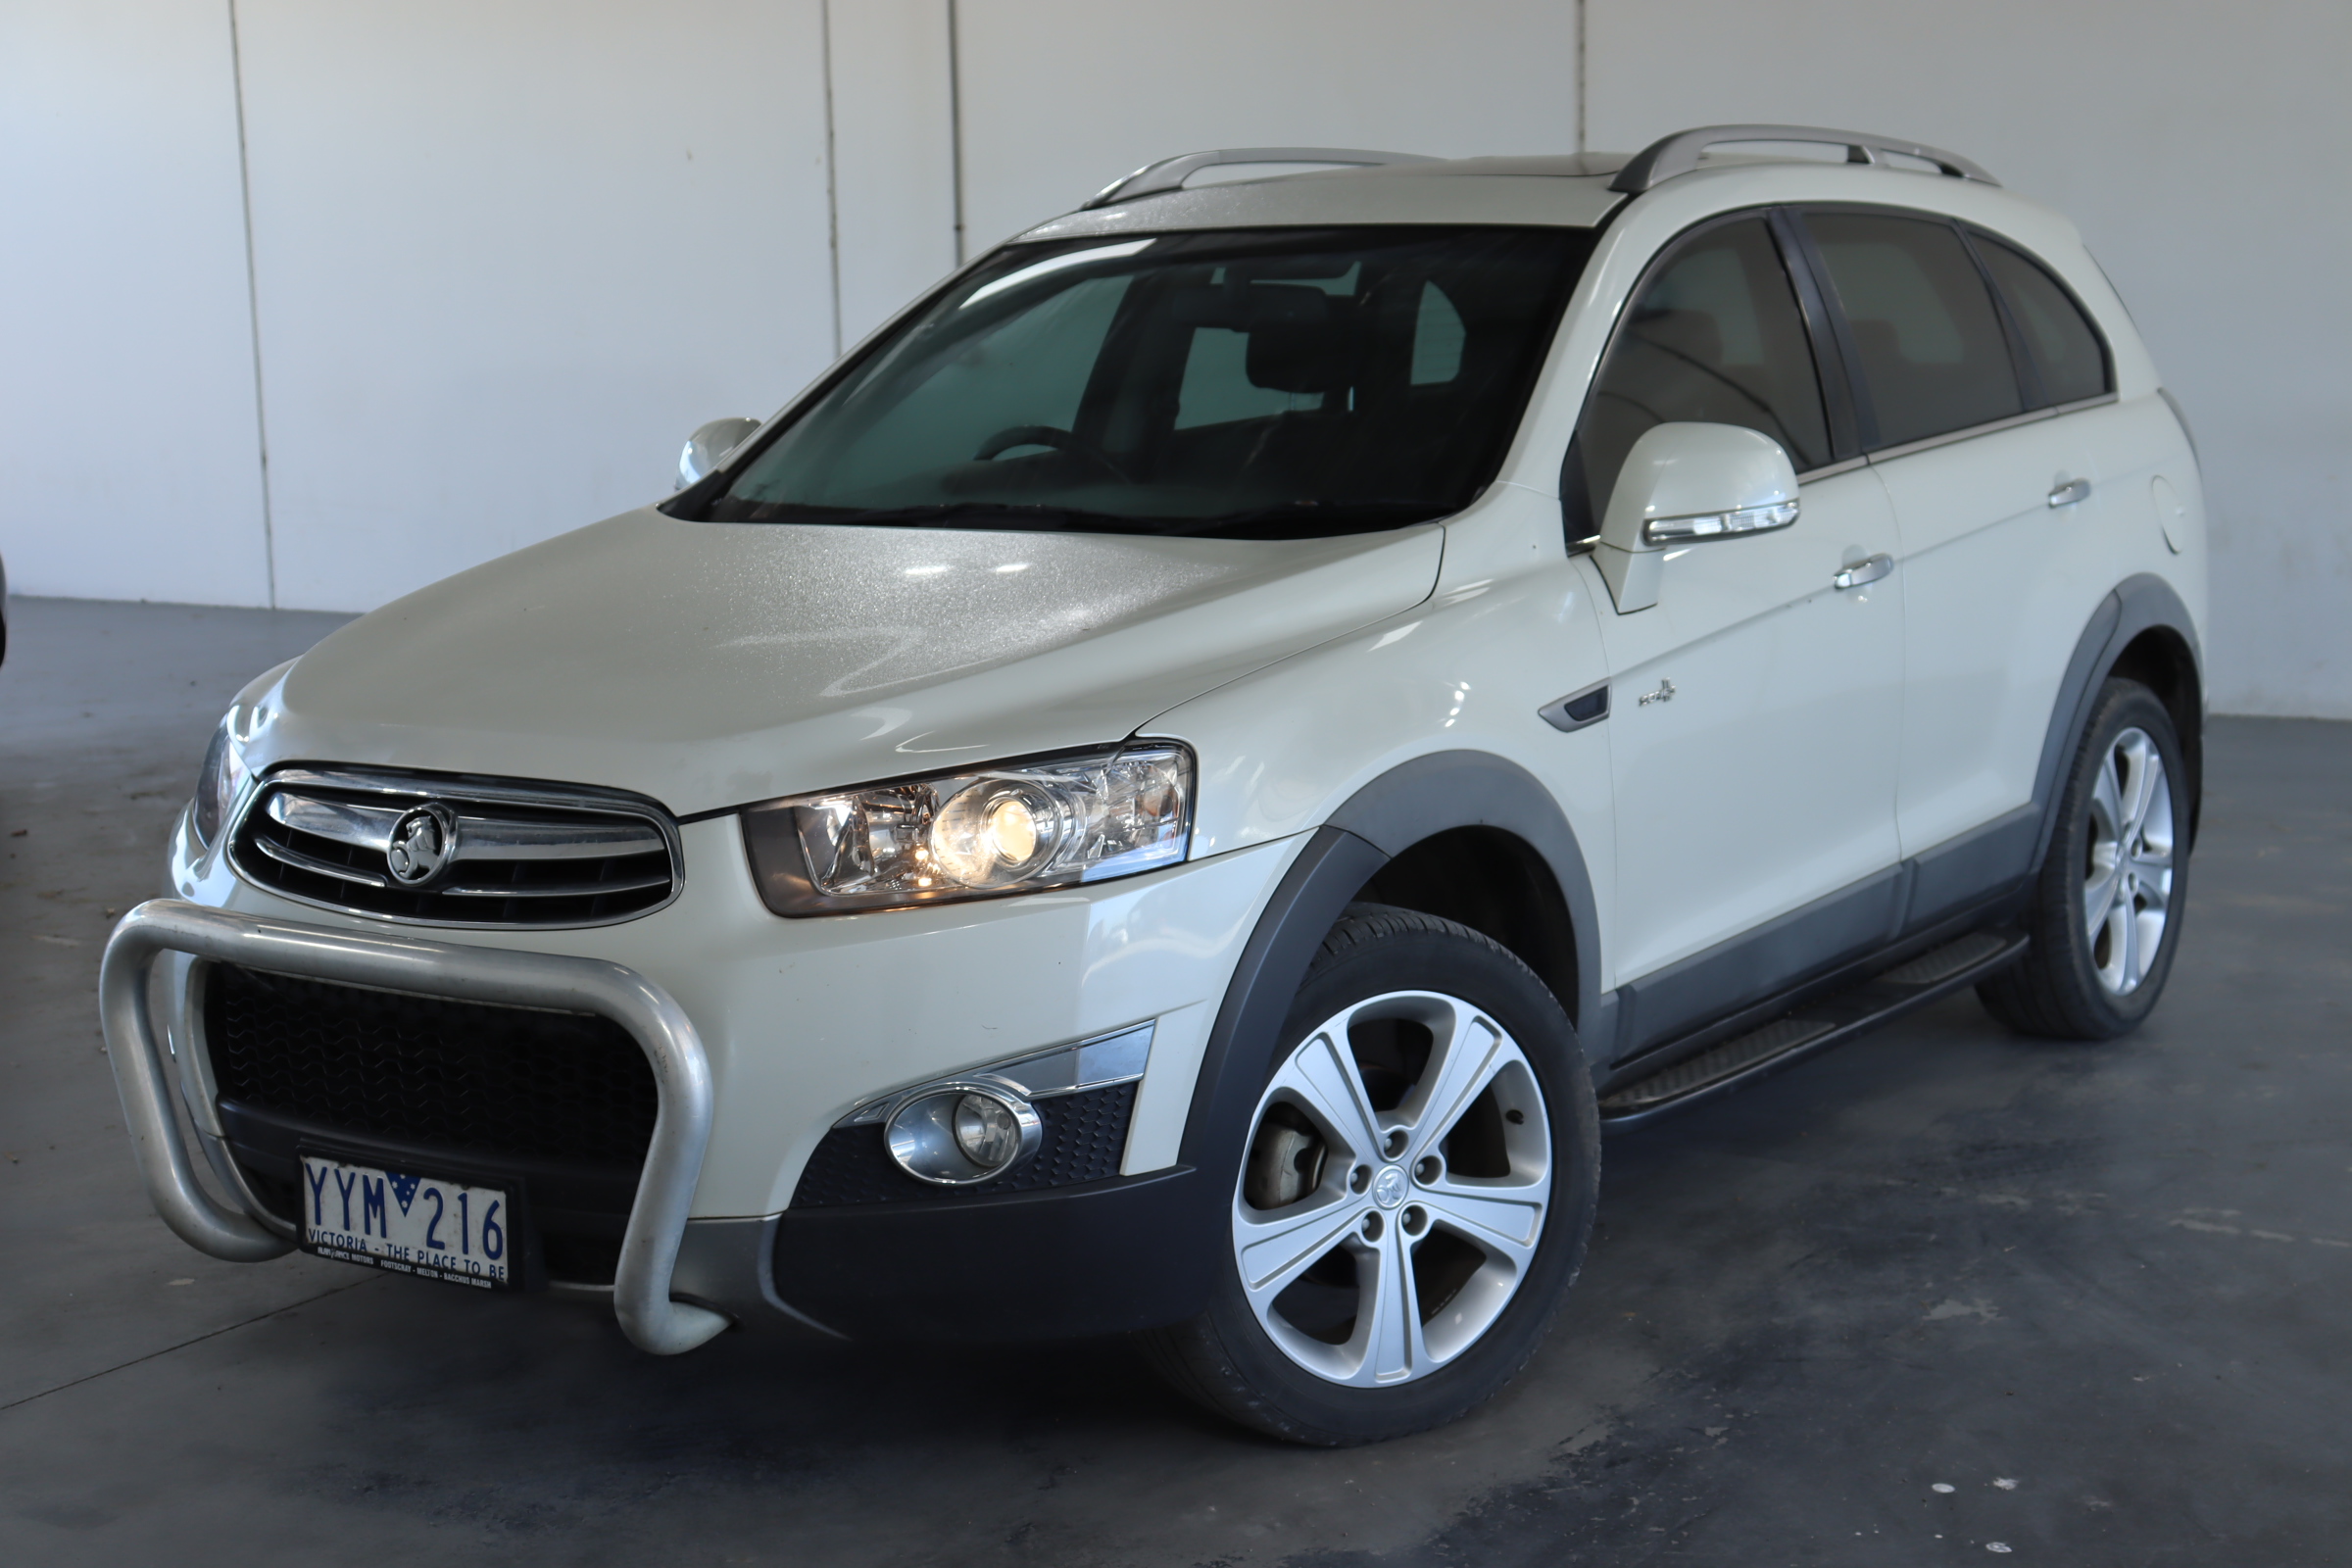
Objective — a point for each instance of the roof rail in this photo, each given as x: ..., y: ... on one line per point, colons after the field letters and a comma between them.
x: 1678, y: 154
x: 1170, y: 174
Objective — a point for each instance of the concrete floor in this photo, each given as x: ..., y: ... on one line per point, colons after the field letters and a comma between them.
x: 2097, y: 1292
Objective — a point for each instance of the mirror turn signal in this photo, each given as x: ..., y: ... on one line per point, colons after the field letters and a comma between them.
x: 1686, y: 483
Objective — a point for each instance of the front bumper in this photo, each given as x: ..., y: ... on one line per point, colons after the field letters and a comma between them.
x: 1051, y: 1263
x: 794, y: 1023
x: 649, y: 1251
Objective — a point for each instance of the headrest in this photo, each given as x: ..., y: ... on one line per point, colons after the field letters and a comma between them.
x: 1245, y: 307
x: 1301, y: 339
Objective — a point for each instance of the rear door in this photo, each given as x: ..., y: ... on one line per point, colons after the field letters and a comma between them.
x: 1754, y: 709
x: 2002, y: 505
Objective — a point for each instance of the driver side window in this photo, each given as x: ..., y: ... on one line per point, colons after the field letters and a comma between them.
x: 1715, y: 336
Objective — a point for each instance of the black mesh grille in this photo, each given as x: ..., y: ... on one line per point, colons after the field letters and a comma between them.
x: 1085, y: 1136
x: 461, y: 1074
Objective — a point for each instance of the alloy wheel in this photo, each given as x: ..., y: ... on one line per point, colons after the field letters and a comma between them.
x: 1395, y: 1192
x: 2128, y: 881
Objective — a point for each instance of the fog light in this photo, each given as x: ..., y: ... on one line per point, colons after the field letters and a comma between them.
x: 962, y: 1133
x: 987, y: 1131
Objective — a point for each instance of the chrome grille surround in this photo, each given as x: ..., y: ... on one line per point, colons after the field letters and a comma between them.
x: 508, y: 853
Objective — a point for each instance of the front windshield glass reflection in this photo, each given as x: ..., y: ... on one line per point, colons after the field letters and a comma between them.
x: 1260, y: 383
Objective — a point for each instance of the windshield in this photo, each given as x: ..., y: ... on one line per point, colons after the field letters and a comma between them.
x: 1262, y: 383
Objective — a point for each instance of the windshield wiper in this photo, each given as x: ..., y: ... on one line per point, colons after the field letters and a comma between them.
x: 1288, y: 519
x: 1307, y: 520
x: 946, y: 515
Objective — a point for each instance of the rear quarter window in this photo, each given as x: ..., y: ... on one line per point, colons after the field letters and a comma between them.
x: 2070, y: 358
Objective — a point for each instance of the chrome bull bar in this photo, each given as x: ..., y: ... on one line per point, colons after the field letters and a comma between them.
x: 673, y: 1159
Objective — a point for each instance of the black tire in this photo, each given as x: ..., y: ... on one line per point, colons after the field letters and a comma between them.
x: 1226, y: 1360
x: 2055, y: 991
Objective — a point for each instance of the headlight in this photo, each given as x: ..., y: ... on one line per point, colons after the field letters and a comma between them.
x: 224, y: 777
x: 1012, y: 829
x: 218, y: 784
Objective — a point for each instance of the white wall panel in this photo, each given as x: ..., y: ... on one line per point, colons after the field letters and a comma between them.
x: 508, y: 255
x: 1060, y: 97
x: 2201, y: 148
x: 130, y: 467
x: 893, y: 155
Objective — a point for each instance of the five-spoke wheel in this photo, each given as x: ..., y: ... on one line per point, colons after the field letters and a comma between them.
x: 1394, y: 1188
x: 2128, y: 884
x: 1412, y: 1191
x: 2105, y: 914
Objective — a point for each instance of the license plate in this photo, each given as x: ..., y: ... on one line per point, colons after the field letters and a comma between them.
x: 409, y: 1223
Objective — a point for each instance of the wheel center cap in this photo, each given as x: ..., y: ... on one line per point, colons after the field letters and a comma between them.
x: 1388, y: 1188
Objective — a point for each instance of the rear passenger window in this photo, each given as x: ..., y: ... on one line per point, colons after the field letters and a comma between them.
x: 1713, y: 337
x: 1934, y: 356
x: 2067, y: 353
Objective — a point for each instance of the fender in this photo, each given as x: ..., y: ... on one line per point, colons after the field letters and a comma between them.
x: 2138, y: 604
x: 1409, y: 803
x: 1445, y: 790
x: 1138, y: 1250
x: 1998, y: 859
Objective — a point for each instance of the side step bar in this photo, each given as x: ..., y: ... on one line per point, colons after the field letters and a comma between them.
x: 1815, y: 1027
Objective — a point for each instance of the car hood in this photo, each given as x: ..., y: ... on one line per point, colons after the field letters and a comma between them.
x: 709, y: 664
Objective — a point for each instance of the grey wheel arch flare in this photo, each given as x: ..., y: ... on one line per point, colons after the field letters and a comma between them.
x: 2137, y: 606
x: 1411, y: 802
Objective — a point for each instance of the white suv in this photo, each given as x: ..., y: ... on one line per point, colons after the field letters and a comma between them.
x: 1183, y: 786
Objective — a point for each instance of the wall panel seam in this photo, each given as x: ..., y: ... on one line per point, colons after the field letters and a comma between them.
x: 956, y: 120
x: 825, y: 12
x: 1582, y: 58
x: 253, y: 306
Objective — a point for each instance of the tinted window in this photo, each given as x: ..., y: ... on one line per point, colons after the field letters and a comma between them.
x: 1715, y: 337
x: 1931, y: 344
x: 1262, y: 383
x: 2067, y: 353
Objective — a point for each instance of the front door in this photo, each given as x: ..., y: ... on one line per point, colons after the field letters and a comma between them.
x: 1756, y: 710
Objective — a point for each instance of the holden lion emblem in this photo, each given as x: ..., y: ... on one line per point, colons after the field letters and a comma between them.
x: 423, y: 841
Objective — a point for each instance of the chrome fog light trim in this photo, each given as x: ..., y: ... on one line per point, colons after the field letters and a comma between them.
x: 962, y: 1132
x: 1096, y: 1062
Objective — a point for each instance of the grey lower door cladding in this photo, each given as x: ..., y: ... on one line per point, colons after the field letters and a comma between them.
x: 1978, y: 865
x: 1975, y: 869
x: 1782, y: 953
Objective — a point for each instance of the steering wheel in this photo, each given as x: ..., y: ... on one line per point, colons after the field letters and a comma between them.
x: 1046, y: 435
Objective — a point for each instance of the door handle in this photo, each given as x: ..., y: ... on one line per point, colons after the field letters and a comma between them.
x: 2067, y: 494
x: 1862, y: 571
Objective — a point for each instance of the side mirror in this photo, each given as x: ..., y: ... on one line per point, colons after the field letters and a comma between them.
x: 708, y: 445
x: 1685, y: 484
